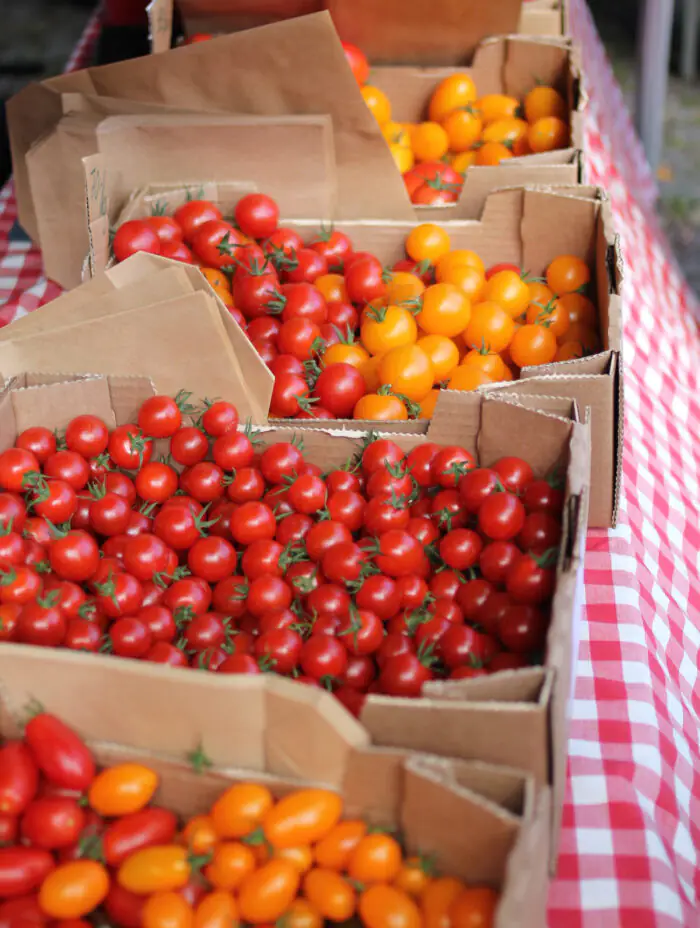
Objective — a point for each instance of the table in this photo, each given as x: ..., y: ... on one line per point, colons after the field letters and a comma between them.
x: 632, y: 813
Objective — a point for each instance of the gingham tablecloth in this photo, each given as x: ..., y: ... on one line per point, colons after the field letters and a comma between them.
x: 632, y: 816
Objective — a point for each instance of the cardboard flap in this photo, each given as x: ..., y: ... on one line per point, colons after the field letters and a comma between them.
x: 96, y: 209
x: 160, y: 25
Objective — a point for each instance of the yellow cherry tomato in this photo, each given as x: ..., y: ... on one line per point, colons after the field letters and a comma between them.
x: 414, y: 876
x: 403, y: 286
x: 467, y: 377
x: 167, y: 910
x: 122, y: 789
x: 74, y: 889
x: 509, y: 131
x: 396, y: 134
x: 451, y: 93
x: 240, y: 809
x: 463, y: 128
x: 566, y: 274
x: 162, y: 868
x: 216, y: 910
x: 343, y: 353
x: 569, y: 351
x: 458, y: 257
x: 302, y: 856
x: 533, y: 345
x: 509, y: 290
x: 443, y: 354
x: 492, y: 153
x: 332, y: 286
x: 302, y: 817
x: 495, y: 106
x: 266, y: 894
x: 407, y: 371
x: 230, y: 865
x: 490, y: 327
x: 584, y: 335
x: 429, y: 141
x: 445, y: 310
x: 580, y: 309
x: 553, y: 314
x: 427, y: 242
x: 436, y: 899
x: 544, y: 101
x: 388, y: 327
x: 376, y: 859
x: 403, y: 157
x: 378, y: 103
x: 463, y: 161
x: 548, y: 134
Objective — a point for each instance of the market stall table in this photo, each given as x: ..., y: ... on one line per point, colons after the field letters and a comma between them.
x: 632, y: 816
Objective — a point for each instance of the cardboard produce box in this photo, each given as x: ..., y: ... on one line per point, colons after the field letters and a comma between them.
x: 482, y: 823
x: 544, y: 17
x: 512, y: 718
x: 528, y: 227
x: 270, y: 73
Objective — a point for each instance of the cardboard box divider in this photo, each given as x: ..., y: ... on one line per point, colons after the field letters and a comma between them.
x: 481, y: 822
x: 513, y: 718
x: 273, y: 77
x: 528, y: 227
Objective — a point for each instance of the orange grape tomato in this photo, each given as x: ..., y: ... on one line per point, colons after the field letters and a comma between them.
x: 332, y: 287
x: 378, y: 103
x: 443, y: 354
x: 333, y: 852
x: 533, y: 345
x: 302, y: 817
x: 74, y: 889
x: 341, y: 353
x: 199, y: 834
x: 408, y: 371
x: 475, y: 907
x: 414, y: 876
x: 508, y: 131
x: 463, y: 127
x: 580, y: 309
x: 436, y: 899
x: 544, y: 101
x: 231, y: 863
x: 554, y: 315
x: 492, y: 153
x: 302, y: 856
x: 458, y: 257
x: 402, y: 287
x: 122, y: 789
x: 301, y: 914
x: 387, y: 327
x: 330, y: 894
x: 427, y: 406
x: 376, y: 859
x: 387, y: 907
x: 240, y: 809
x: 488, y: 363
x: 467, y: 377
x: 167, y: 910
x: 380, y: 407
x: 452, y: 92
x: 427, y: 242
x: 509, y: 290
x: 548, y: 134
x: 429, y: 141
x: 266, y: 894
x: 495, y: 106
x: 567, y: 273
x: 445, y: 310
x: 217, y: 909
x: 162, y: 868
x: 490, y: 328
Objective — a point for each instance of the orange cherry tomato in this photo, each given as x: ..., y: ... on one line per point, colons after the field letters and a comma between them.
x: 463, y: 128
x: 330, y: 894
x: 387, y: 907
x: 490, y: 327
x: 332, y: 287
x: 387, y: 327
x: 301, y: 914
x: 580, y: 309
x: 231, y: 863
x: 427, y: 406
x: 380, y: 407
x: 414, y: 876
x: 463, y: 161
x: 199, y: 834
x: 509, y: 290
x: 539, y: 292
x: 495, y: 106
x: 548, y: 134
x: 333, y: 852
x: 443, y: 354
x: 370, y: 371
x: 162, y: 868
x: 427, y: 242
x: 567, y: 273
x: 569, y: 351
x: 436, y: 900
x: 408, y: 371
x: 452, y: 92
x: 429, y: 141
x: 488, y: 363
x: 533, y: 345
x: 378, y: 103
x: 216, y: 279
x: 74, y: 889
x: 544, y: 101
x: 445, y: 310
x: 554, y: 315
x: 458, y: 257
x: 475, y: 907
x: 167, y: 910
x: 402, y: 287
x: 583, y: 334
x: 267, y: 893
x: 492, y: 153
x: 240, y: 809
x: 302, y: 857
x: 376, y: 859
x: 216, y: 910
x: 469, y: 280
x: 302, y: 817
x: 122, y: 789
x: 343, y: 353
x: 467, y: 377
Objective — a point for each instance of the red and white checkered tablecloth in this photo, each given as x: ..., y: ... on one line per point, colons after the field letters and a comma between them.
x: 631, y: 832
